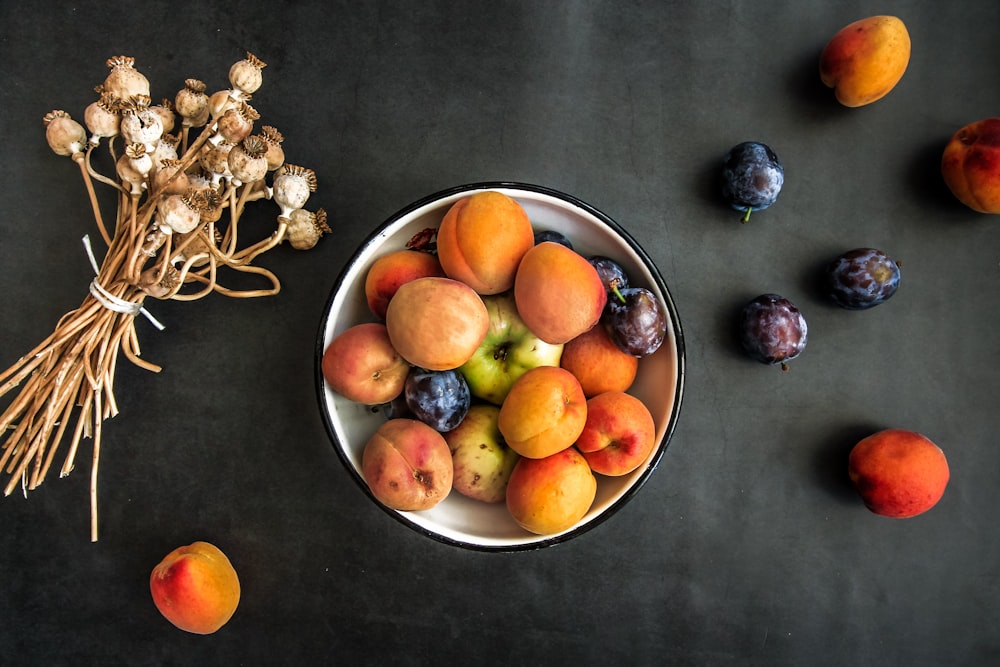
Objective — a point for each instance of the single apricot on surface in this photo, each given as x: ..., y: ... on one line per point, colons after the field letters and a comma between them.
x: 550, y: 495
x: 865, y: 60
x: 898, y: 473
x: 544, y: 412
x: 970, y: 165
x: 196, y: 588
x: 481, y: 241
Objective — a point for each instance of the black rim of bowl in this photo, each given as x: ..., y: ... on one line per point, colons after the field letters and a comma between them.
x: 678, y: 390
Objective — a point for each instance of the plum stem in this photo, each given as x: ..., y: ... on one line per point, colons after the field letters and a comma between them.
x: 746, y: 218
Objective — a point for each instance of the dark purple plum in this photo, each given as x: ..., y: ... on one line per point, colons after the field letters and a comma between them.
x: 611, y: 272
x: 635, y: 321
x: 861, y: 278
x: 752, y: 177
x: 553, y: 236
x: 772, y: 330
x: 440, y: 399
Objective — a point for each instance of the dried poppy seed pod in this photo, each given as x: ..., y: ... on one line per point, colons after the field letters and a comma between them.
x: 165, y: 110
x: 191, y: 103
x: 215, y: 160
x: 178, y: 213
x: 245, y: 75
x: 209, y: 203
x: 305, y: 228
x: 65, y: 135
x: 166, y: 149
x: 139, y: 124
x: 247, y: 161
x: 292, y: 186
x: 170, y: 179
x: 134, y: 166
x: 124, y: 81
x: 222, y: 101
x: 275, y: 153
x: 156, y: 285
x: 236, y: 124
x: 197, y: 246
x: 102, y: 119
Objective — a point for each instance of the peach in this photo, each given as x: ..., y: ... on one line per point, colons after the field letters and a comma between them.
x: 865, y: 60
x: 436, y: 323
x: 407, y: 465
x: 544, y: 412
x: 388, y: 272
x: 362, y: 365
x: 970, y: 165
x: 196, y: 588
x: 898, y: 473
x: 482, y: 239
x: 550, y: 495
x: 619, y: 434
x: 558, y: 293
x: 598, y: 363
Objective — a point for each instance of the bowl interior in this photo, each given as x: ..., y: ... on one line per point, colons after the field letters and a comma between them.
x: 459, y: 520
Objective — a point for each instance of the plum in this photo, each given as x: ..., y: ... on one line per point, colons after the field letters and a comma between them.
x: 440, y: 399
x: 635, y: 321
x: 772, y: 330
x: 752, y: 176
x: 861, y: 278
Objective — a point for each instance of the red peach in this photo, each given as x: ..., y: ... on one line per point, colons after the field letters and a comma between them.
x: 362, y: 365
x: 407, y: 465
x: 970, y: 165
x: 390, y: 271
x: 196, y: 588
x: 619, y: 434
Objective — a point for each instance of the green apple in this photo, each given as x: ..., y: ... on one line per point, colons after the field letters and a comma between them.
x: 509, y: 350
x: 482, y: 461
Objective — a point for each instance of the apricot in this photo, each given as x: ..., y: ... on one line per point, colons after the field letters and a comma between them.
x: 970, y: 165
x: 407, y: 465
x: 599, y: 364
x: 544, y: 412
x: 898, y: 473
x: 558, y: 293
x: 865, y: 60
x: 436, y: 323
x: 482, y: 239
x: 388, y: 272
x: 196, y: 588
x: 550, y: 495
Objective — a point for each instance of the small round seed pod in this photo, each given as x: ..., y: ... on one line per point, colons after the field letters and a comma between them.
x: 197, y: 245
x: 275, y: 153
x: 102, y: 119
x: 139, y: 123
x: 134, y: 166
x: 124, y: 81
x: 305, y: 228
x: 165, y: 110
x: 247, y: 161
x: 245, y: 75
x: 209, y: 203
x: 222, y: 101
x: 64, y: 135
x: 292, y: 186
x: 166, y: 149
x: 178, y: 213
x: 215, y: 160
x: 191, y: 103
x: 170, y: 179
x: 236, y: 124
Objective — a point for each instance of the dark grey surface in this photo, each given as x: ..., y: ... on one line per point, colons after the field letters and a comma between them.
x: 746, y: 547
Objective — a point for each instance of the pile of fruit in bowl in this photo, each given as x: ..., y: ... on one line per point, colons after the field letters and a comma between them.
x: 500, y: 366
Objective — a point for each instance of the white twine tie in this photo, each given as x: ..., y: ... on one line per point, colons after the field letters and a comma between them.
x: 109, y: 300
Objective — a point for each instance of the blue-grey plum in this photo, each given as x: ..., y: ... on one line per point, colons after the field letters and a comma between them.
x: 752, y: 176
x: 772, y: 330
x: 862, y: 278
x: 440, y: 399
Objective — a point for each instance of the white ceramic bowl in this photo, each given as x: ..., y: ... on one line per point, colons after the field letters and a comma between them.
x: 659, y: 384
